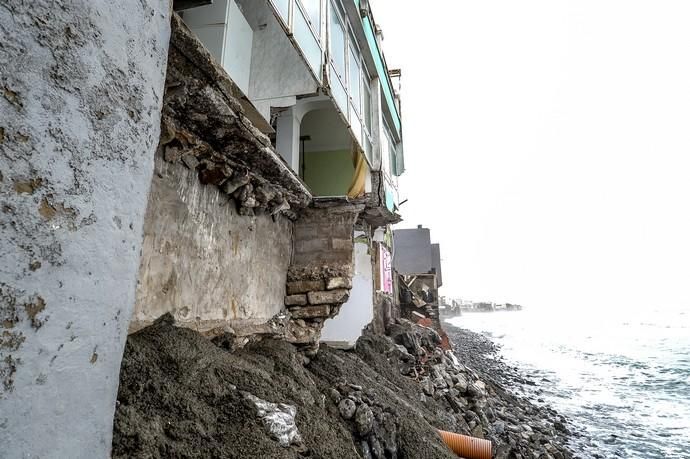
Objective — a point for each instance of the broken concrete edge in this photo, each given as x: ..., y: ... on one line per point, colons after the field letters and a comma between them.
x: 264, y: 162
x: 188, y: 44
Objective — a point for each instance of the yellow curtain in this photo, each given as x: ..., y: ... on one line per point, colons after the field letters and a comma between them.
x: 359, y: 177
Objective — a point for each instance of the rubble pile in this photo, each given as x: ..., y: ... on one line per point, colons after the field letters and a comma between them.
x: 181, y: 393
x: 482, y: 408
x: 205, y: 127
x: 311, y: 302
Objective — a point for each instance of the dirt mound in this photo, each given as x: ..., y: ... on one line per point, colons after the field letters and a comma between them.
x: 182, y: 396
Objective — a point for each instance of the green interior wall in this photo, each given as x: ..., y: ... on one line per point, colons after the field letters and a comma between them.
x: 328, y: 173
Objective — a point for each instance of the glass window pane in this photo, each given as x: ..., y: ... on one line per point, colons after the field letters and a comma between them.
x: 282, y: 8
x: 313, y: 9
x: 366, y: 105
x: 385, y: 154
x: 307, y: 42
x: 338, y: 92
x: 353, y: 83
x: 337, y: 42
x: 356, y: 125
x: 367, y: 148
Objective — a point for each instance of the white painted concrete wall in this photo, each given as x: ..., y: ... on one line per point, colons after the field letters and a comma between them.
x: 225, y: 32
x: 83, y: 84
x: 278, y: 70
x: 344, y: 329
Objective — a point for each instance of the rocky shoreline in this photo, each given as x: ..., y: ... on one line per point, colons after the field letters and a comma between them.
x: 520, y: 424
x: 182, y: 395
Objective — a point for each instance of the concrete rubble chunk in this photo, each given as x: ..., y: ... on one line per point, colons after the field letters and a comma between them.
x: 278, y: 419
x: 304, y: 286
x: 328, y: 297
x: 310, y: 312
x: 296, y: 300
x: 338, y: 282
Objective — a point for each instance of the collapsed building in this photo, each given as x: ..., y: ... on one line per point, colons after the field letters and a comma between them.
x: 417, y: 263
x: 276, y: 170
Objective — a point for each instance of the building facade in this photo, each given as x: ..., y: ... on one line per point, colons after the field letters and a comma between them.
x: 314, y: 180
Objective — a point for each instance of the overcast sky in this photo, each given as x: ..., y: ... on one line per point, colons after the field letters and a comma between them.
x: 547, y: 146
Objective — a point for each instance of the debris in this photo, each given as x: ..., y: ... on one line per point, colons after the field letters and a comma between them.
x: 279, y: 420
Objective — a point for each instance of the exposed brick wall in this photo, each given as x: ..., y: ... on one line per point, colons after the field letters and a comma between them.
x: 320, y: 276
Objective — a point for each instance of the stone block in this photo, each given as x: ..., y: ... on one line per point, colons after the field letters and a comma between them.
x: 296, y: 300
x: 310, y: 312
x: 311, y: 245
x: 338, y: 296
x: 304, y: 286
x: 338, y: 282
x: 342, y: 244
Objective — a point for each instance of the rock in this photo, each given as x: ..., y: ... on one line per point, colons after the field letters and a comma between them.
x: 338, y: 282
x: 560, y: 427
x: 234, y: 183
x: 328, y: 297
x: 476, y: 389
x: 440, y: 383
x: 356, y: 396
x: 499, y: 427
x: 310, y: 312
x: 296, y: 300
x: 304, y: 286
x: 334, y: 395
x: 347, y: 408
x: 214, y: 174
x: 478, y: 431
x: 427, y: 386
x: 366, y: 451
x: 172, y: 154
x: 376, y: 448
x: 461, y: 383
x: 190, y: 161
x: 364, y: 420
x: 502, y: 452
x: 403, y: 350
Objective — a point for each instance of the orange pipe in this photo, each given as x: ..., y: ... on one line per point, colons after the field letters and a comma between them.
x: 466, y: 446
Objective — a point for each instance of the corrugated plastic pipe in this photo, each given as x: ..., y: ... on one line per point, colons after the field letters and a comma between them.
x: 466, y: 446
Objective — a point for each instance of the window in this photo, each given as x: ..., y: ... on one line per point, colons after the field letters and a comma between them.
x: 283, y: 7
x: 388, y: 156
x: 366, y: 103
x: 307, y: 42
x: 354, y: 80
x: 337, y: 42
x: 313, y: 10
x: 385, y: 153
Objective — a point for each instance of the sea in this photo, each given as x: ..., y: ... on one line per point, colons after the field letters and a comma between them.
x: 622, y: 378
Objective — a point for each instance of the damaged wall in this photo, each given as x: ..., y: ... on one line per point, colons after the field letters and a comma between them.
x: 344, y: 329
x: 218, y: 227
x: 320, y: 275
x: 80, y: 100
x: 205, y: 263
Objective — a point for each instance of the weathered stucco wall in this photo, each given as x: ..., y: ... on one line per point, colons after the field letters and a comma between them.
x: 202, y: 261
x: 358, y: 311
x: 80, y: 98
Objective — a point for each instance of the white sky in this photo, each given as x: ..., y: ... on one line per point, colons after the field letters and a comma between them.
x: 547, y: 146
